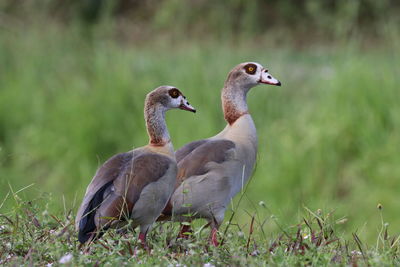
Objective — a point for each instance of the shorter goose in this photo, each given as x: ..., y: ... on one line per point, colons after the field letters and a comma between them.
x: 212, y: 171
x: 136, y: 184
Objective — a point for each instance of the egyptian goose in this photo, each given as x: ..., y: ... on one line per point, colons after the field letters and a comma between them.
x: 136, y: 184
x: 212, y: 171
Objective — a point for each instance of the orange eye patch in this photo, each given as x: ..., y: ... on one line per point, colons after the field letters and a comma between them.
x: 174, y: 93
x: 250, y: 68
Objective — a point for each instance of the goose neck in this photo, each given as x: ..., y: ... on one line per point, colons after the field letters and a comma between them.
x: 156, y: 126
x: 234, y: 102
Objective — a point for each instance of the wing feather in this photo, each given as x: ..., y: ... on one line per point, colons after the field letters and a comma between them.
x: 195, y: 162
x: 116, y: 187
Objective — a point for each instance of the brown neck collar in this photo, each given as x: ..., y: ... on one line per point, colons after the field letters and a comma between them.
x: 156, y: 126
x: 158, y: 142
x: 231, y: 114
x: 234, y: 102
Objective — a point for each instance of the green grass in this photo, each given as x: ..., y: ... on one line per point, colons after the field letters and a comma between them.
x: 328, y: 138
x: 31, y: 234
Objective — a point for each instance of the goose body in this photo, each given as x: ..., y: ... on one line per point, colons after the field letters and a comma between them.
x: 212, y: 171
x: 136, y: 184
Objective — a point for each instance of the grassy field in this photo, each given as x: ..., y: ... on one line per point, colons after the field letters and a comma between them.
x: 32, y: 235
x: 329, y: 138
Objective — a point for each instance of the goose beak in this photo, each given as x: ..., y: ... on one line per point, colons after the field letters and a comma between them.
x: 186, y: 106
x: 267, y: 78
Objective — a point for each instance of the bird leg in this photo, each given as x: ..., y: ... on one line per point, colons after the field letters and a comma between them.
x: 214, y: 224
x: 214, y: 237
x: 142, y: 239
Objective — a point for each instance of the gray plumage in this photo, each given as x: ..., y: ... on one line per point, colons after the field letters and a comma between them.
x: 130, y: 178
x: 136, y: 184
x: 212, y: 171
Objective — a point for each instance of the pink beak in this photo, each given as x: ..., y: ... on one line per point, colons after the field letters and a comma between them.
x: 186, y: 106
x: 267, y: 78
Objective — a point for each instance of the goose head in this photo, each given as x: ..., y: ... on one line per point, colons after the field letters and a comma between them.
x: 157, y: 103
x: 168, y: 97
x: 250, y: 74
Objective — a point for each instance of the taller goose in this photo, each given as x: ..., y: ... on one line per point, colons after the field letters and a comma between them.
x: 136, y: 184
x: 212, y: 171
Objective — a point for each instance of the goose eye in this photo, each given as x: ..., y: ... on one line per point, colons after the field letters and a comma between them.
x: 174, y: 93
x: 250, y: 69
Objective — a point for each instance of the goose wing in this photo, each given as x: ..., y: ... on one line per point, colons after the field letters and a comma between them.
x: 116, y: 187
x: 186, y: 149
x: 195, y: 157
x: 107, y: 173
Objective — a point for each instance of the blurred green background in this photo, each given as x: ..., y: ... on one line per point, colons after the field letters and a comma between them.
x: 74, y: 74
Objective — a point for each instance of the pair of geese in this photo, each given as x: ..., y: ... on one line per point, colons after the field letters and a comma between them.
x: 155, y: 182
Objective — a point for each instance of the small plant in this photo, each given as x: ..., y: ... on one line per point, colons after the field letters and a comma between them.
x: 30, y: 234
